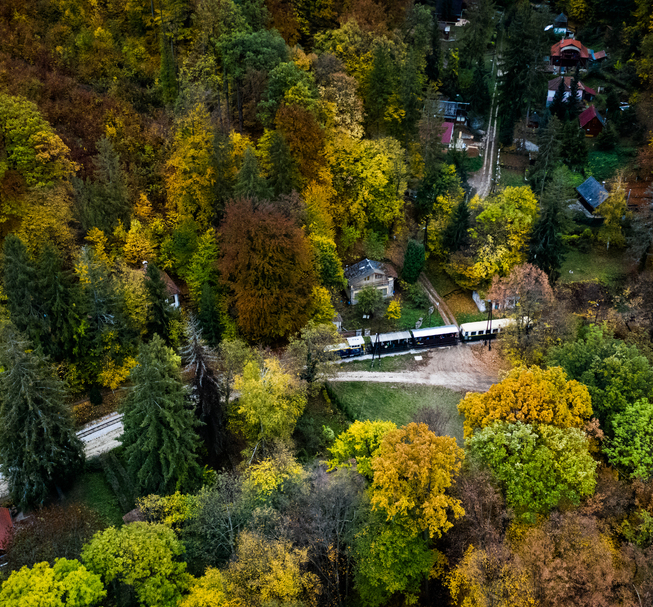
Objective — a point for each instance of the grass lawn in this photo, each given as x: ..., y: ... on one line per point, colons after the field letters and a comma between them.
x: 598, y: 264
x: 511, y: 178
x: 352, y: 318
x: 93, y: 491
x: 395, y: 402
x: 604, y: 165
x: 460, y: 301
x: 475, y: 164
x: 388, y: 364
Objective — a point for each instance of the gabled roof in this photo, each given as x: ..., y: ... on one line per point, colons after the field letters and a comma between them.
x: 6, y: 527
x: 599, y: 55
x: 592, y: 192
x: 366, y: 268
x: 558, y: 47
x: 561, y: 18
x: 589, y: 114
x: 448, y: 132
x: 555, y: 83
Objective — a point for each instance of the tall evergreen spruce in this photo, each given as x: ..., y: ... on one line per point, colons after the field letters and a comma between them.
x: 480, y: 94
x: 558, y: 107
x: 209, y: 316
x: 284, y: 177
x: 548, y: 158
x: 380, y: 86
x: 56, y: 303
x: 413, y: 261
x: 159, y: 437
x: 573, y: 146
x: 434, y: 58
x: 159, y: 311
x: 167, y: 76
x: 22, y: 288
x: 200, y: 361
x: 39, y: 450
x: 249, y: 182
x: 455, y: 234
x: 546, y: 248
x: 572, y: 105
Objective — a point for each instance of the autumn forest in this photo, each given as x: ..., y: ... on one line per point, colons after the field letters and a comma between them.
x: 194, y: 409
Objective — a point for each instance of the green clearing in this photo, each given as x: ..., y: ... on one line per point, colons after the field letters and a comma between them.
x: 395, y: 402
x: 597, y: 264
x: 387, y: 364
x: 604, y: 165
x: 475, y: 164
x: 93, y: 490
x: 511, y: 178
x: 459, y: 300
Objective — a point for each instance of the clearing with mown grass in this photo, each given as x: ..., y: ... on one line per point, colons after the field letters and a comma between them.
x: 395, y: 402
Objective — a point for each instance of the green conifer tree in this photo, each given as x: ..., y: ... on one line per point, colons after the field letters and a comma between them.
x: 56, y: 304
x: 209, y: 316
x: 159, y: 437
x: 546, y: 248
x: 558, y: 106
x: 159, y: 311
x: 284, y: 176
x: 573, y: 146
x: 21, y: 288
x: 249, y: 182
x: 455, y: 234
x: 434, y: 57
x: 39, y: 450
x: 167, y: 75
x: 413, y: 261
x: 480, y: 94
x: 548, y: 157
x: 572, y: 104
x: 381, y: 84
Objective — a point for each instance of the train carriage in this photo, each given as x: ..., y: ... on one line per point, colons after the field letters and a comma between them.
x: 484, y: 329
x: 343, y: 350
x: 433, y: 337
x: 356, y: 345
x: 392, y: 342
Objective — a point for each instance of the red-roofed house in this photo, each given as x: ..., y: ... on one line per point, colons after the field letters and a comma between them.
x: 584, y: 92
x: 591, y: 122
x: 6, y: 529
x: 569, y: 53
x: 447, y: 134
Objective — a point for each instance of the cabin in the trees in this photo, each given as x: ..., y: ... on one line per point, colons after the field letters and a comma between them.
x: 591, y: 194
x: 368, y: 273
x: 447, y: 134
x: 591, y: 122
x: 585, y: 93
x: 569, y: 53
x: 172, y: 290
x: 561, y: 22
x: 6, y: 531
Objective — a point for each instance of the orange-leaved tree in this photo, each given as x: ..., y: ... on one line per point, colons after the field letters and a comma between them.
x: 267, y: 263
x: 413, y: 468
x: 532, y: 396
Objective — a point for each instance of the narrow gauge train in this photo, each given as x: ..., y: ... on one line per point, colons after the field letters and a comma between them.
x: 432, y: 337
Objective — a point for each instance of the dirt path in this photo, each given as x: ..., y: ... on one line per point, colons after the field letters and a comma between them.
x: 462, y: 368
x: 437, y: 301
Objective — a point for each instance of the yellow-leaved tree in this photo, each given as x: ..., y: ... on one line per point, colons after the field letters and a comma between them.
x: 531, y: 396
x: 413, y: 468
x: 207, y: 591
x: 269, y: 572
x: 191, y: 171
x: 359, y: 443
x: 271, y: 401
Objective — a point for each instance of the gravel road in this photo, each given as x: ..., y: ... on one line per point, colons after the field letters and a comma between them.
x: 462, y: 368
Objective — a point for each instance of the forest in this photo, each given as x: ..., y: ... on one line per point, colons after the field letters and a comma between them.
x: 186, y: 187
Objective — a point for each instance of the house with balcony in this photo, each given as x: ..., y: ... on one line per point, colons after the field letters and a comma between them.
x: 584, y: 93
x: 368, y: 273
x: 569, y: 53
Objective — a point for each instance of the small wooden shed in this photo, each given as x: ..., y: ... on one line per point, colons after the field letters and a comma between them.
x: 591, y: 122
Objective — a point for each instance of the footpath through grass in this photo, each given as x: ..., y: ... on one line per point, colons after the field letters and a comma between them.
x: 395, y: 402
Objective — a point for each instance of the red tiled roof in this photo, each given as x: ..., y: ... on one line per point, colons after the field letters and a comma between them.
x: 599, y: 55
x: 6, y: 526
x: 558, y: 47
x: 555, y: 83
x: 588, y: 115
x: 448, y: 132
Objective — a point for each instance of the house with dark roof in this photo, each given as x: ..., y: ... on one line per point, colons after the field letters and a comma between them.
x: 591, y: 194
x: 368, y: 273
x: 591, y: 122
x: 447, y: 133
x: 569, y: 53
x: 585, y: 93
x: 561, y: 21
x: 6, y: 529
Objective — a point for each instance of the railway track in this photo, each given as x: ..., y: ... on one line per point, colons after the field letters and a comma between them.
x: 435, y: 299
x: 100, y: 427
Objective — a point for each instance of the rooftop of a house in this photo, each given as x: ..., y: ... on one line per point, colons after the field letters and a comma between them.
x: 6, y: 527
x: 447, y: 133
x: 366, y: 267
x: 598, y: 55
x: 171, y: 288
x: 561, y: 18
x: 555, y: 83
x: 592, y: 192
x: 589, y: 114
x: 558, y: 48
